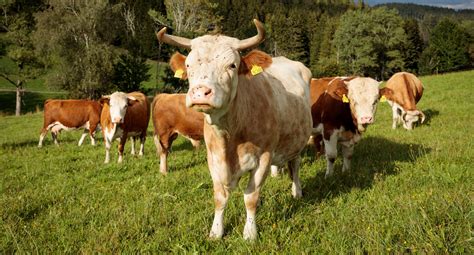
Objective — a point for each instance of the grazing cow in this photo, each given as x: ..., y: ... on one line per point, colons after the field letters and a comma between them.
x: 407, y: 91
x: 170, y: 118
x: 124, y: 115
x: 70, y: 114
x: 342, y: 108
x: 256, y: 112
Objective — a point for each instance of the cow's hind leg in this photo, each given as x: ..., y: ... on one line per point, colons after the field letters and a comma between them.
x: 142, y: 144
x: 43, y: 133
x: 252, y: 194
x: 331, y: 153
x: 132, y: 145
x: 83, y: 136
x: 294, y: 168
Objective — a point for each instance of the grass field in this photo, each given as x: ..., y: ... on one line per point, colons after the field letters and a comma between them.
x: 408, y: 192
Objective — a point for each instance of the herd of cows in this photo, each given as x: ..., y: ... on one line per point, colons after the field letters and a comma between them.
x: 255, y: 113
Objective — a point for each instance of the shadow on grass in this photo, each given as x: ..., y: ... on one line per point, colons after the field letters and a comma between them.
x: 429, y: 115
x: 374, y: 159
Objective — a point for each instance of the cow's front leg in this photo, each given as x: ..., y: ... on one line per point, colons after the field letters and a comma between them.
x: 331, y: 153
x: 83, y: 136
x: 142, y: 145
x: 121, y: 147
x: 221, y: 196
x: 108, y: 144
x: 294, y: 168
x: 275, y: 171
x: 347, y: 151
x: 132, y: 145
x: 395, y: 117
x: 252, y: 194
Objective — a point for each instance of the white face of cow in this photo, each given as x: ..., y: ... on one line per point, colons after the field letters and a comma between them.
x: 212, y: 69
x: 118, y: 103
x: 412, y: 117
x: 363, y: 94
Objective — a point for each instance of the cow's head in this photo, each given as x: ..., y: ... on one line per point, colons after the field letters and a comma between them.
x: 118, y: 103
x: 411, y: 117
x: 363, y: 95
x: 212, y: 67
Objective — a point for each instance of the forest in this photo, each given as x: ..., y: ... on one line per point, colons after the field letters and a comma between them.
x: 89, y: 48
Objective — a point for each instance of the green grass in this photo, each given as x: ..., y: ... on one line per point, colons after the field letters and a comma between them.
x: 408, y: 192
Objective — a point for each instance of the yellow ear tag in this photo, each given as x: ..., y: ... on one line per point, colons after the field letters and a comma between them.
x: 345, y: 99
x: 383, y: 99
x: 179, y: 73
x: 256, y: 70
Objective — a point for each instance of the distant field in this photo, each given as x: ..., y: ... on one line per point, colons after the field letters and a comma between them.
x: 408, y: 192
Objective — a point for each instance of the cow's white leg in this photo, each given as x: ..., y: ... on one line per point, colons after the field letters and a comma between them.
x: 275, y: 171
x: 54, y: 135
x: 347, y: 151
x: 294, y: 168
x: 92, y: 136
x: 331, y: 153
x: 252, y: 194
x: 395, y: 117
x: 132, y: 145
x: 107, y: 150
x: 83, y: 136
x: 195, y: 143
x: 42, y: 135
x: 221, y: 196
x: 160, y: 152
x: 142, y: 146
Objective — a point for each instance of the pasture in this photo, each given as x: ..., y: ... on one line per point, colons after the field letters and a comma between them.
x: 408, y: 192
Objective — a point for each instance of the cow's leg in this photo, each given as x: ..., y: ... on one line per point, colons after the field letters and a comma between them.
x: 395, y: 117
x: 331, y: 153
x: 195, y: 143
x: 162, y: 153
x: 252, y: 194
x: 83, y: 136
x: 275, y: 171
x: 221, y: 196
x: 121, y: 146
x: 54, y: 135
x: 43, y: 133
x: 347, y: 151
x: 142, y: 144
x: 318, y: 146
x: 294, y: 168
x: 108, y: 144
x: 92, y: 136
x: 132, y: 145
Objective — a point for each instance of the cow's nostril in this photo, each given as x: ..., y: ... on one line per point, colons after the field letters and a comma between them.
x: 207, y: 92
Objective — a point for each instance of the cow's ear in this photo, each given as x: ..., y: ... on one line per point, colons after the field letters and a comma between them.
x: 256, y: 59
x: 178, y: 65
x: 131, y: 100
x: 104, y: 100
x: 341, y: 91
x: 386, y: 92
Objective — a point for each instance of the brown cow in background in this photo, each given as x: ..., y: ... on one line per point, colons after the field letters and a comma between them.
x: 171, y: 117
x: 68, y: 115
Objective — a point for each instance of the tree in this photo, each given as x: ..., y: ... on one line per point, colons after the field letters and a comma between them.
x: 368, y: 42
x: 413, y: 48
x: 129, y: 72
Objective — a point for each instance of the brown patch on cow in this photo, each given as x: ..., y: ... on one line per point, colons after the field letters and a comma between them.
x: 407, y: 90
x: 387, y: 92
x: 255, y: 57
x: 177, y: 61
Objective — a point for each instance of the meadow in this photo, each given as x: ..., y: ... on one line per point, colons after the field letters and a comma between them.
x: 408, y: 192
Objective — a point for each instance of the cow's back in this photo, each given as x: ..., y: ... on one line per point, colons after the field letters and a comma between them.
x: 171, y: 114
x: 407, y: 89
x: 138, y: 114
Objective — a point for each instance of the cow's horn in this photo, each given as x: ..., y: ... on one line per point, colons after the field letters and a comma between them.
x: 173, y: 40
x: 255, y: 40
x: 422, y: 117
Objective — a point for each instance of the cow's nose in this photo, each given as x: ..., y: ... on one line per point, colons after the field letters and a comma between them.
x: 117, y: 119
x: 201, y: 92
x: 366, y: 120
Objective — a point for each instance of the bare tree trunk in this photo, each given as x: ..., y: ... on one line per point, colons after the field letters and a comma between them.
x: 18, y: 101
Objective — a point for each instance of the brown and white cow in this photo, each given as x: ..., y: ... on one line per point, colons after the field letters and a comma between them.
x: 256, y: 114
x: 124, y: 115
x: 407, y: 91
x: 70, y: 114
x: 171, y: 117
x: 342, y: 108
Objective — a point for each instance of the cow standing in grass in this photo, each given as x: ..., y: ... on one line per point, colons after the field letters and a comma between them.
x: 342, y: 108
x: 124, y: 115
x: 68, y: 115
x: 407, y: 91
x: 170, y: 118
x: 256, y: 111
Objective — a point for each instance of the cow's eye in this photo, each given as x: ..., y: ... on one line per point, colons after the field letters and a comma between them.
x: 232, y: 66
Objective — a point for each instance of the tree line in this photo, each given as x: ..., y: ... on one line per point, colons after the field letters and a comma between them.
x: 90, y: 48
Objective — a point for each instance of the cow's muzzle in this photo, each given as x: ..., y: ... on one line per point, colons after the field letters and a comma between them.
x: 200, y: 97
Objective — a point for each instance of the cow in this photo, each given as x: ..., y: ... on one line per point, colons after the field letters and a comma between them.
x: 171, y: 117
x: 256, y: 113
x: 68, y: 115
x: 123, y: 116
x: 407, y: 91
x: 342, y: 108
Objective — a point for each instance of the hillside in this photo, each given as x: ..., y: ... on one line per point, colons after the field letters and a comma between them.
x: 420, y: 11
